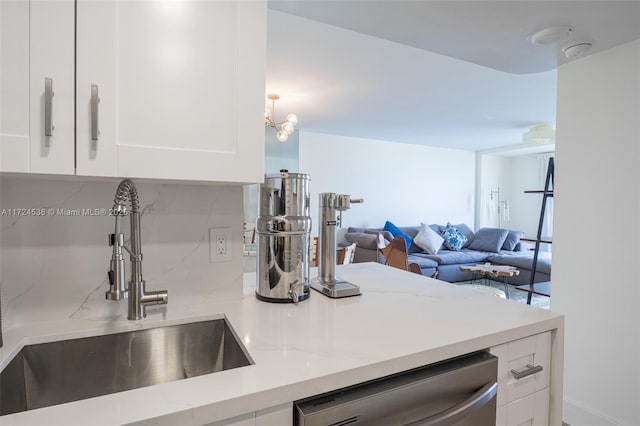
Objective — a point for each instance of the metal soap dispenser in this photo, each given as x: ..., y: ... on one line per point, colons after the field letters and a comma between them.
x: 326, y: 282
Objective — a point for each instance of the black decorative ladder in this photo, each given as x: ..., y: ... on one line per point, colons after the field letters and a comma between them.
x: 546, y: 193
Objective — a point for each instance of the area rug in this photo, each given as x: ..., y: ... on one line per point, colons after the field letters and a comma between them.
x: 541, y: 302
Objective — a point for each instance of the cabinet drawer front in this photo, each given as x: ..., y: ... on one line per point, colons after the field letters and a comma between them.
x: 519, y: 356
x: 532, y: 410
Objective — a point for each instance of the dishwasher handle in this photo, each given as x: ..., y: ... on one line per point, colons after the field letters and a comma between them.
x: 463, y: 409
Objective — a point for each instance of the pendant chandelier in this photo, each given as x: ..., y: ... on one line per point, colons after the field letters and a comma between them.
x: 283, y: 128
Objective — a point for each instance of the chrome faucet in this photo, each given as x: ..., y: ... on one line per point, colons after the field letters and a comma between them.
x: 135, y: 292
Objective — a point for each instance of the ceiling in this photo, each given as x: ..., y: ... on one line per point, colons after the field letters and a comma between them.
x: 457, y: 74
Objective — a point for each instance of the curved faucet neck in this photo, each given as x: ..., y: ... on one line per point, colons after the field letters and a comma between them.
x: 126, y: 191
x: 138, y: 297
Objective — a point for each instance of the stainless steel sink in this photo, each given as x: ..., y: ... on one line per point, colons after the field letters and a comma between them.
x: 69, y: 370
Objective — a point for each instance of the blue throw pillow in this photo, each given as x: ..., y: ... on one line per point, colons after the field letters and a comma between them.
x: 396, y: 232
x: 453, y: 238
x: 466, y: 231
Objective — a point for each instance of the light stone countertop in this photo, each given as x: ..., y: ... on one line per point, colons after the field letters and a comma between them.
x: 401, y: 321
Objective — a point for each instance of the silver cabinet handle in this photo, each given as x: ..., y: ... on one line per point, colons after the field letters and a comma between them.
x: 48, y: 106
x: 95, y: 100
x: 462, y: 410
x: 531, y: 369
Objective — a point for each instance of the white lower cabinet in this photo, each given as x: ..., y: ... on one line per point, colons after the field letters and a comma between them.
x: 531, y: 410
x: 523, y: 380
x: 280, y: 415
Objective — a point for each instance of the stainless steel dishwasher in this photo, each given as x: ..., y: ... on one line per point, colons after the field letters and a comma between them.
x: 459, y: 391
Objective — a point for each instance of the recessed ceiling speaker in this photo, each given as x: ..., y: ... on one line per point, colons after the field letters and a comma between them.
x: 576, y: 50
x: 551, y: 35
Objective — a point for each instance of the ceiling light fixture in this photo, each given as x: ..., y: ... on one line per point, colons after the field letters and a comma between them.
x: 551, y: 35
x: 540, y: 134
x: 284, y: 128
x: 576, y: 50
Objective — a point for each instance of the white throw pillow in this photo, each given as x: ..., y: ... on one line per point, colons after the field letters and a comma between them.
x: 428, y: 239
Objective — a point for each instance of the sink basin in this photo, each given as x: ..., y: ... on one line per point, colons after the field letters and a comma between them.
x: 69, y: 370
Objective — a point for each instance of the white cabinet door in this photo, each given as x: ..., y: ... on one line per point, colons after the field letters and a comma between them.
x: 36, y: 43
x: 181, y: 89
x: 532, y: 410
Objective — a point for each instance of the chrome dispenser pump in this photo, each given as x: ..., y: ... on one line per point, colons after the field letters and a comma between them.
x: 326, y: 282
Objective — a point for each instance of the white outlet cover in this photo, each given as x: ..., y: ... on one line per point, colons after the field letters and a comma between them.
x: 215, y: 234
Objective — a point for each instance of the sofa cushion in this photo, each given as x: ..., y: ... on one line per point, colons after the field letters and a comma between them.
x: 523, y: 260
x: 375, y: 231
x: 367, y: 241
x: 428, y: 239
x: 512, y: 240
x: 489, y: 239
x: 354, y: 229
x: 451, y: 257
x: 396, y: 232
x: 453, y: 238
x: 412, y: 231
x: 422, y: 260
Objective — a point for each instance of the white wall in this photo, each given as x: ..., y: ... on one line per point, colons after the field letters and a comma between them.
x: 406, y: 184
x: 529, y: 172
x: 513, y: 175
x: 596, y: 250
x: 493, y: 174
x: 54, y: 267
x: 526, y: 172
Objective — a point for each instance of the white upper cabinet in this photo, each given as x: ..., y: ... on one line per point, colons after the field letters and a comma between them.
x: 37, y: 86
x: 180, y: 87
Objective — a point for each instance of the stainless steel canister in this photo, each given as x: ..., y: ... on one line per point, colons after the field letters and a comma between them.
x: 283, y: 228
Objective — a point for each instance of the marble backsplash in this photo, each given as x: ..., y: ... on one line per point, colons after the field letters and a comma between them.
x: 53, y: 263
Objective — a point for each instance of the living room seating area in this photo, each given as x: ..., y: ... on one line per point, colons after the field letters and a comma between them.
x: 444, y: 248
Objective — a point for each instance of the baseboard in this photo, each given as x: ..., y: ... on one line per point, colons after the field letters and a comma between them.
x: 573, y: 414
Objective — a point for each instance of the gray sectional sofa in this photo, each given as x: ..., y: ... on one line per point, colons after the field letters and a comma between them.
x: 447, y: 262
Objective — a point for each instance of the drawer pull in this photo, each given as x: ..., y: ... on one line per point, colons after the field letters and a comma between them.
x: 95, y: 99
x: 531, y: 369
x: 48, y: 106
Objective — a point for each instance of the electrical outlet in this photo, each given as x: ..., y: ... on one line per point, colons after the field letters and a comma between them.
x: 219, y: 244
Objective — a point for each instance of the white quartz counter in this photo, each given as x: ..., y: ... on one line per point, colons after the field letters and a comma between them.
x: 401, y: 321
